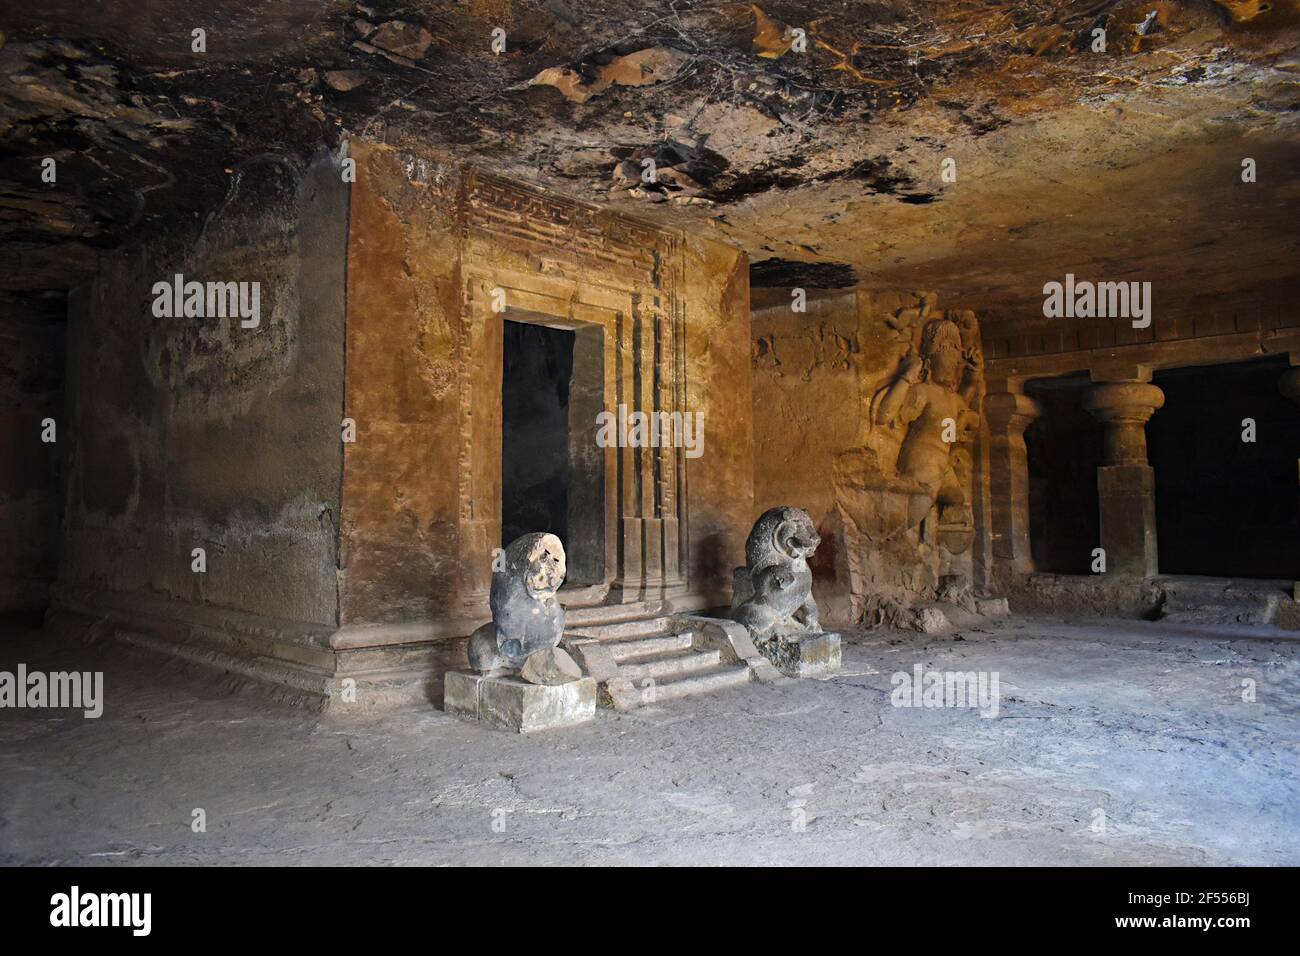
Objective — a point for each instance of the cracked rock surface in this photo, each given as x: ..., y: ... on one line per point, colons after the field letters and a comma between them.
x: 819, y: 151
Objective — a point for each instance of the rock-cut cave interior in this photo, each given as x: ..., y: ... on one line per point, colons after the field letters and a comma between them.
x: 856, y: 433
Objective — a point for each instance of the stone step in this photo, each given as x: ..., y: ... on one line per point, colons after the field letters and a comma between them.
x: 702, y: 682
x: 655, y: 660
x: 1222, y: 613
x: 1219, y: 601
x: 604, y: 615
x: 649, y: 645
x: 613, y: 631
x: 669, y: 665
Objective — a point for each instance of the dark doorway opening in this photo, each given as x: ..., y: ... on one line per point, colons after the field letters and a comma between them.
x: 1064, y: 448
x: 553, y: 472
x: 1224, y: 506
x: 537, y: 371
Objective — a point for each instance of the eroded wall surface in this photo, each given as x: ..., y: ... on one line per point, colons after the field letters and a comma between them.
x: 430, y: 241
x: 400, y: 543
x: 720, y: 482
x: 31, y: 391
x: 866, y: 414
x: 193, y: 432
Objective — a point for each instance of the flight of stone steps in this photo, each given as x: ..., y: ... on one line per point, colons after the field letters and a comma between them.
x: 656, y: 659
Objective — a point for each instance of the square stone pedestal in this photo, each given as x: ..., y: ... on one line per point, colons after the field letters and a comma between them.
x: 511, y: 703
x: 809, y: 655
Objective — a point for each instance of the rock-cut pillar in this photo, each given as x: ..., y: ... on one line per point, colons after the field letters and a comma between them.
x: 1008, y: 415
x: 1126, y: 480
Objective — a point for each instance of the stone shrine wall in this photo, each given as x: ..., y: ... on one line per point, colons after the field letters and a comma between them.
x: 662, y: 322
x: 194, y: 432
x: 867, y: 414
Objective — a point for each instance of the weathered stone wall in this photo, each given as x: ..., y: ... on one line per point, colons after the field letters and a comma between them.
x: 429, y: 241
x: 720, y: 482
x: 400, y: 546
x: 31, y: 390
x: 193, y: 432
x: 852, y: 399
x: 806, y: 412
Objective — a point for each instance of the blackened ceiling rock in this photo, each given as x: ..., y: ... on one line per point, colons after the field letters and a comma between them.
x: 789, y: 274
x: 980, y: 149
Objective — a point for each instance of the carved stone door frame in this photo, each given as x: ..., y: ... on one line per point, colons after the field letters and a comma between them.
x: 643, y: 529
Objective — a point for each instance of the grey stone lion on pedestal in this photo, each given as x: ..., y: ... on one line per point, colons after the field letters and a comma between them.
x: 527, y: 618
x: 772, y: 595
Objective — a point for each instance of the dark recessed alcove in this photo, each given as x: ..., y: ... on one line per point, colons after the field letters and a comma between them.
x: 1225, y: 506
x: 1064, y: 447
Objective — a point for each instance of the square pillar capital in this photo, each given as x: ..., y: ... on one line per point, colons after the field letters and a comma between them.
x: 1118, y: 372
x: 1010, y: 412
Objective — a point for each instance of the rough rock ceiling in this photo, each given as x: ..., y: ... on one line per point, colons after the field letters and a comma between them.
x: 824, y: 163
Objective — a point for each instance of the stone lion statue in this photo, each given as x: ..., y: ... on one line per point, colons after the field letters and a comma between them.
x: 527, y: 618
x: 772, y: 594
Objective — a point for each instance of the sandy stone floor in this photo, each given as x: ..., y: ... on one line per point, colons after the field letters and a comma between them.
x: 1144, y: 723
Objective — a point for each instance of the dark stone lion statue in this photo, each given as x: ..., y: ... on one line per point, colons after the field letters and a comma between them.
x: 527, y: 617
x: 772, y: 594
